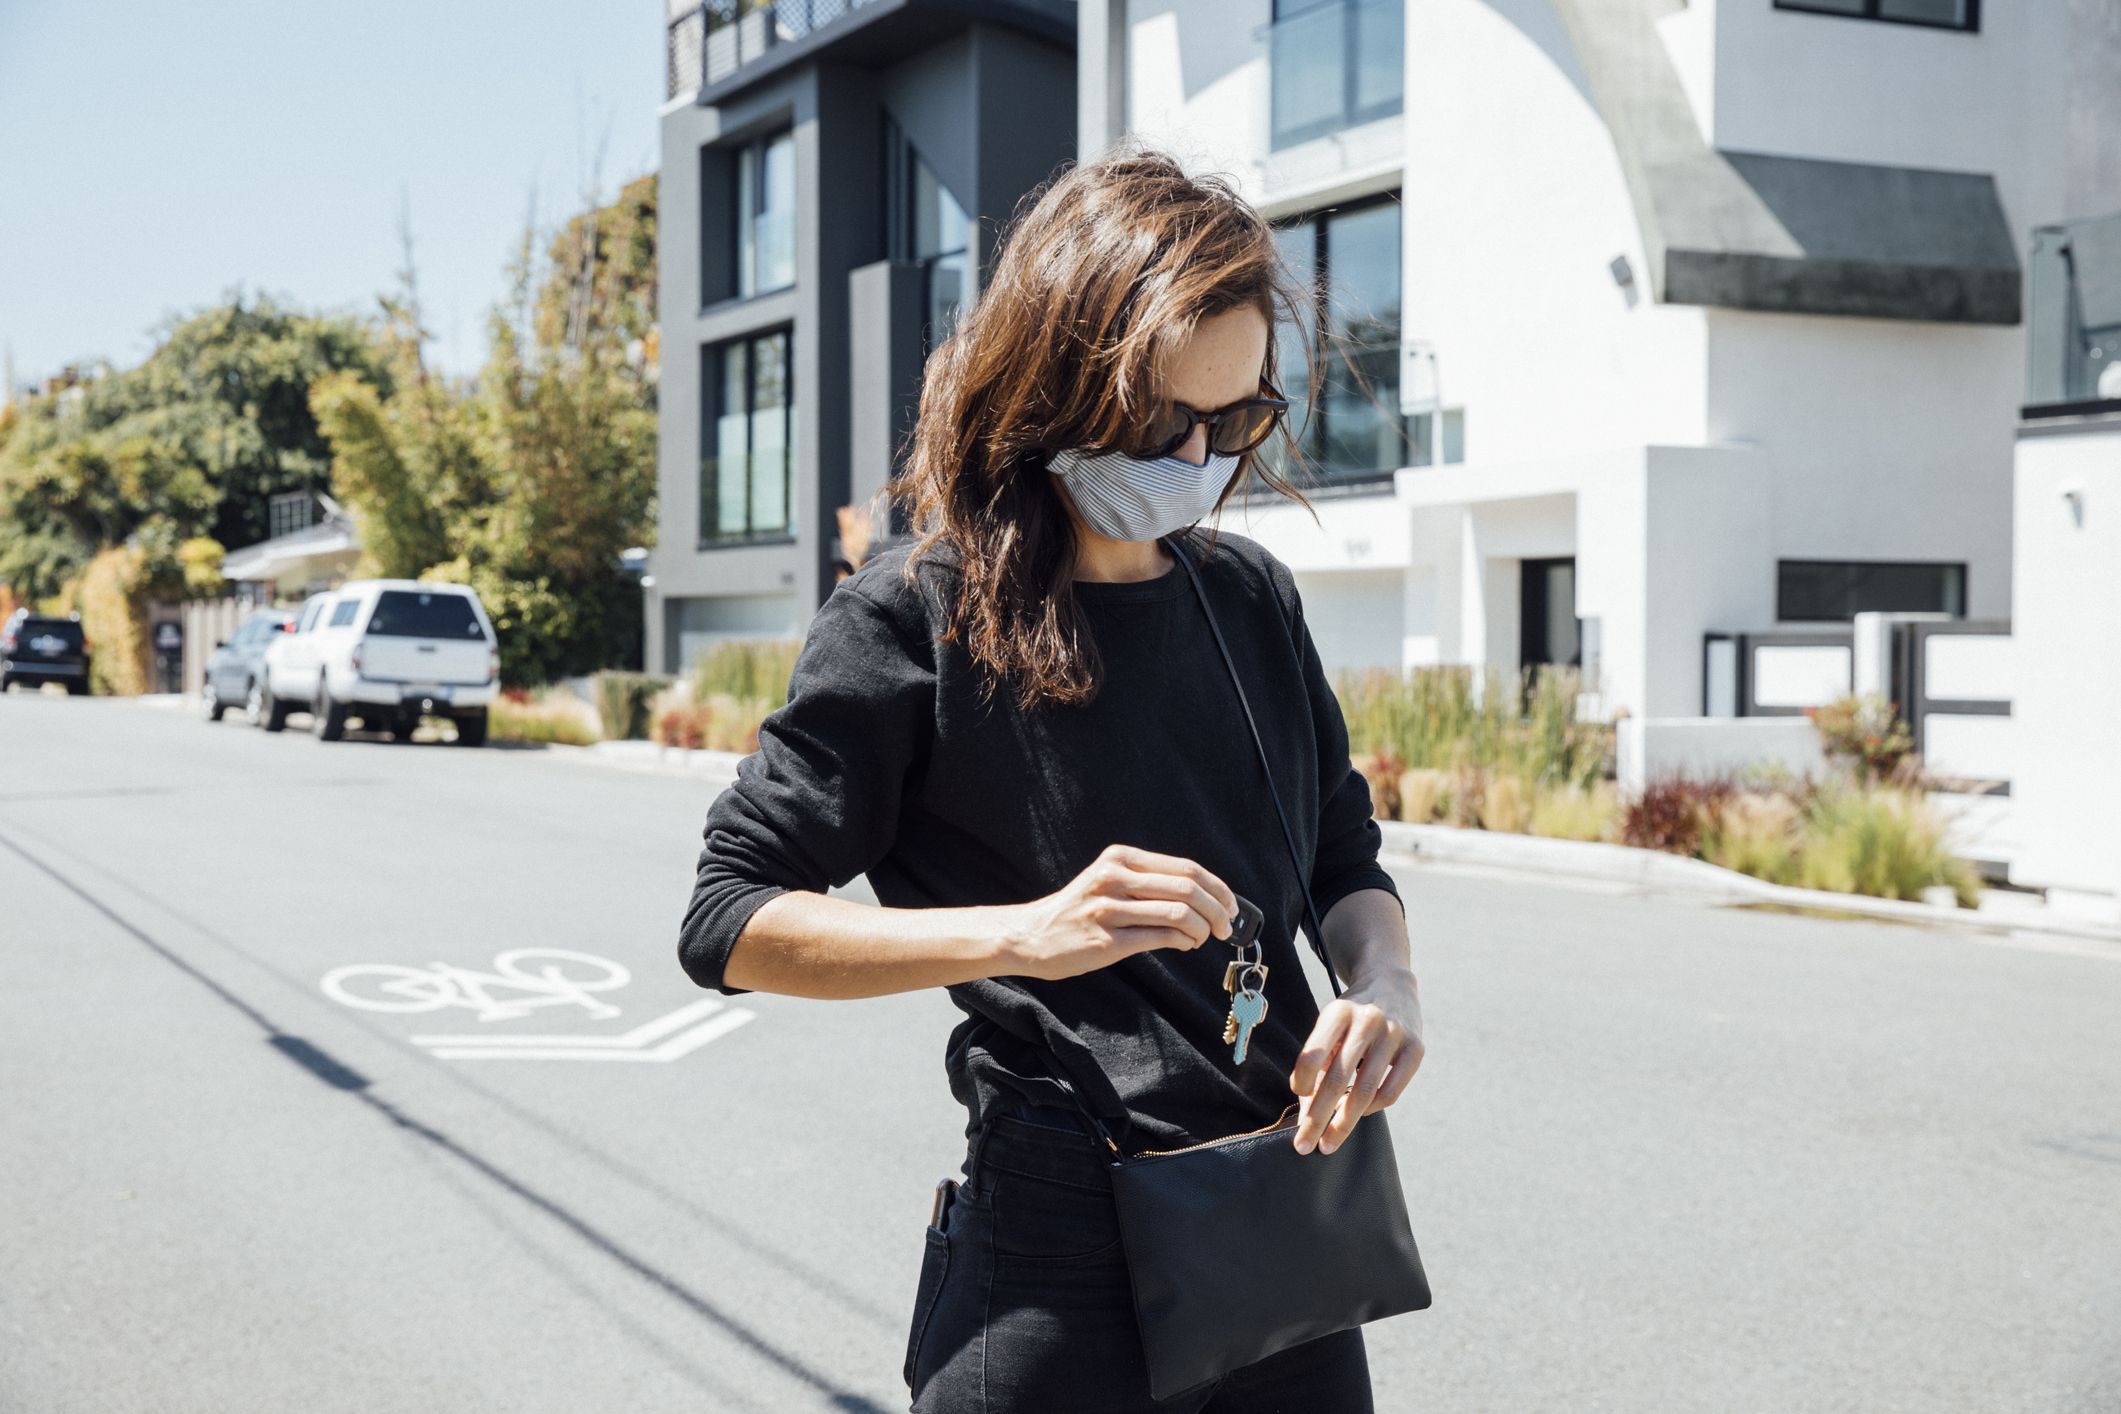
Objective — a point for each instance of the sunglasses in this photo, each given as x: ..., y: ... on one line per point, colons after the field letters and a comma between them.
x: 1232, y: 430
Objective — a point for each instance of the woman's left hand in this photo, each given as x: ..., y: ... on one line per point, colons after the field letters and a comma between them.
x: 1364, y: 1050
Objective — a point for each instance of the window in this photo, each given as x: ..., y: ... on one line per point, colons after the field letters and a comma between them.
x: 764, y: 208
x: 748, y: 454
x: 344, y: 613
x: 309, y: 615
x: 1422, y: 429
x: 926, y: 225
x: 410, y: 613
x: 1333, y: 64
x: 1350, y: 259
x: 1835, y: 591
x: 1937, y: 14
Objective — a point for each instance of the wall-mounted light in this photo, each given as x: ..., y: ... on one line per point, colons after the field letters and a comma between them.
x: 2073, y: 497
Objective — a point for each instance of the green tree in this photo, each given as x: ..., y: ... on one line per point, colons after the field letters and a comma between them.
x: 194, y: 440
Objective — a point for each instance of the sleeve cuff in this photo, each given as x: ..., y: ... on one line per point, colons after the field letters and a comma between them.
x: 705, y: 947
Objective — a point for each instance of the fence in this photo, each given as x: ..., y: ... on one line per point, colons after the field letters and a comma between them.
x: 706, y: 43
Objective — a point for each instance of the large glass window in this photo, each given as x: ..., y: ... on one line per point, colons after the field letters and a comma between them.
x: 747, y: 465
x: 1835, y: 591
x: 925, y: 224
x: 764, y: 206
x: 1333, y: 64
x: 1939, y: 14
x: 1349, y: 258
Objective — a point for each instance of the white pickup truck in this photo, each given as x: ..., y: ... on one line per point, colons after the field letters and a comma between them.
x: 385, y: 652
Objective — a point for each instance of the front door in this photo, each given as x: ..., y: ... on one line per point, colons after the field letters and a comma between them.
x: 1548, y: 630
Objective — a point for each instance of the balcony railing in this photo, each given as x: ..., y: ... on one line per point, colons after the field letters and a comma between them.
x: 1334, y: 66
x: 705, y: 43
x: 2073, y: 332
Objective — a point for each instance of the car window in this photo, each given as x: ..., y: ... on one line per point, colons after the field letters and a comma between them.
x: 344, y: 614
x: 65, y: 630
x: 408, y: 613
x: 309, y: 615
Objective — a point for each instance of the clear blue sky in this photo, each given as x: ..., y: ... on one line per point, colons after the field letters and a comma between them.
x: 159, y: 154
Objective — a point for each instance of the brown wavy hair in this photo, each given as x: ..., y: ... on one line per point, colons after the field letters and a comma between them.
x: 1104, y: 271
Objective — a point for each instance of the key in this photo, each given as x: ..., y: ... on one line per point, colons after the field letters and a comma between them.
x: 1247, y: 1008
x: 1238, y: 965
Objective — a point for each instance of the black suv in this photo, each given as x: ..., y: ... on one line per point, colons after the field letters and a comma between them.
x: 39, y: 648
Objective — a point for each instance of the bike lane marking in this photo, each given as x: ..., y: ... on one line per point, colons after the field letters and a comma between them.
x: 416, y: 990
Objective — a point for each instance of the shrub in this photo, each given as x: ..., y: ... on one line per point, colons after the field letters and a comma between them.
x: 1464, y: 788
x: 1755, y: 834
x: 622, y: 702
x: 1381, y: 769
x: 1505, y: 805
x: 1571, y: 812
x: 746, y: 670
x: 555, y: 716
x: 114, y: 620
x: 1673, y: 814
x: 1421, y: 792
x: 1881, y: 841
x: 1447, y: 717
x: 1864, y: 733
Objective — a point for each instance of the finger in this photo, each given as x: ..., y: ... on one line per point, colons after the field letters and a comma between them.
x: 1149, y: 861
x: 1319, y: 1110
x: 1369, y: 1074
x: 1325, y: 1036
x: 1129, y: 941
x: 1402, y: 1075
x: 1177, y: 914
x: 1185, y: 888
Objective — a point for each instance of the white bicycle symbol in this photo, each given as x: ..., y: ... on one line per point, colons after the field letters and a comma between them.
x: 564, y: 979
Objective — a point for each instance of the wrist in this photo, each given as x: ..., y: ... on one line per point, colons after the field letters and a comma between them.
x: 1381, y: 974
x: 995, y: 939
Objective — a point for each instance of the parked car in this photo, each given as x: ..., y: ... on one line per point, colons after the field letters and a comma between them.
x: 231, y: 678
x: 385, y: 653
x: 39, y: 648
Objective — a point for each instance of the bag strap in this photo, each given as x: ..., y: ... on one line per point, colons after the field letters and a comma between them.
x: 1318, y: 934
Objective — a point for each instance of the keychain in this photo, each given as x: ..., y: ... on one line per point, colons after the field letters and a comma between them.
x: 1245, y: 979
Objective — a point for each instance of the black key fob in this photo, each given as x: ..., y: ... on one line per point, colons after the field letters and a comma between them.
x: 1249, y: 923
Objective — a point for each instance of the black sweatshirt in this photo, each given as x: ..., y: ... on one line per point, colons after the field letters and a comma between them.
x: 884, y: 762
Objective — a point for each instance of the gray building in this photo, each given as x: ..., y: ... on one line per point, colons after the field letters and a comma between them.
x: 834, y: 177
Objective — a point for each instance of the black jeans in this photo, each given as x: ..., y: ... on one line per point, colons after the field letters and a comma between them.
x: 1024, y: 1303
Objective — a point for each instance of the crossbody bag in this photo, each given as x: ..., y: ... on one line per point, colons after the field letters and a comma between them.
x: 1240, y: 1247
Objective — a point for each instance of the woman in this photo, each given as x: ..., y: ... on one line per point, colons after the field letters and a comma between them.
x: 1018, y: 727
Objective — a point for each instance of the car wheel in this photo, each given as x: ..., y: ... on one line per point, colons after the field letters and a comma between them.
x: 326, y: 717
x: 253, y: 702
x: 471, y: 729
x: 210, y: 703
x: 272, y: 712
x: 76, y: 688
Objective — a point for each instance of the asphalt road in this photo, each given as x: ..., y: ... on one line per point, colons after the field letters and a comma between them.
x: 1663, y: 1156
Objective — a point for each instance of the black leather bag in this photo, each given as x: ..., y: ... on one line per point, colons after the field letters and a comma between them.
x: 1240, y: 1247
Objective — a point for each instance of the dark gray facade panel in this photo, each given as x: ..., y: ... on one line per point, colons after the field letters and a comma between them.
x: 1735, y: 280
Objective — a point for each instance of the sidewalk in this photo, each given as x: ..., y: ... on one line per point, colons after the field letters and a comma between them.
x: 2001, y: 911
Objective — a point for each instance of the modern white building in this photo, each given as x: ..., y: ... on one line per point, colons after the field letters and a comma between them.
x: 1721, y: 302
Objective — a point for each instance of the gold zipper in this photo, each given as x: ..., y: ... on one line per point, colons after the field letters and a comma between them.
x: 1263, y: 1129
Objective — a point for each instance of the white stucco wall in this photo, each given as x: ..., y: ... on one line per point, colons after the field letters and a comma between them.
x: 1515, y: 205
x: 1883, y: 439
x: 2066, y: 781
x: 1987, y: 102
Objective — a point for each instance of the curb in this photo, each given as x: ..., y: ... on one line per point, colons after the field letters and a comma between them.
x: 1658, y: 872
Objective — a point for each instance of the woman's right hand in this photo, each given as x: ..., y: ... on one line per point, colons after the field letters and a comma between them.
x: 1126, y: 901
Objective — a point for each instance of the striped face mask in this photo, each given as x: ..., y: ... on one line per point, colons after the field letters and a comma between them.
x: 1132, y: 498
